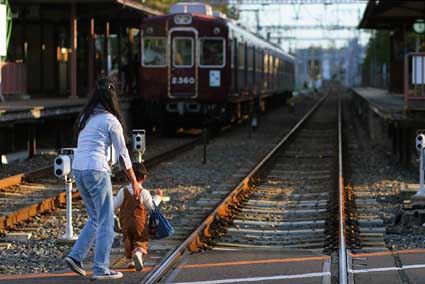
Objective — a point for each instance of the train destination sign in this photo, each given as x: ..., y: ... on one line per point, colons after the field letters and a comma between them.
x: 419, y: 26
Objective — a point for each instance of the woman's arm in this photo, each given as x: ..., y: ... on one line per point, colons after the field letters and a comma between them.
x: 129, y: 173
x: 118, y: 141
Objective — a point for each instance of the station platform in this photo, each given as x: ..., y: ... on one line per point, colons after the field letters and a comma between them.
x: 39, y: 108
x: 34, y: 109
x: 389, y: 121
x: 387, y: 105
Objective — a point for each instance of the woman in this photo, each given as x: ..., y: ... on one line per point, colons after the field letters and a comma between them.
x: 98, y: 126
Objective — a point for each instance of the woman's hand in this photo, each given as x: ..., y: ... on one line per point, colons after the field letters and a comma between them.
x: 137, y: 189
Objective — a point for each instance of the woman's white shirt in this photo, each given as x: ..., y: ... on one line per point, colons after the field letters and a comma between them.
x: 101, y: 130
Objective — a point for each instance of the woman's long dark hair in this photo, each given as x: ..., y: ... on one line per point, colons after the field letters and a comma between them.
x: 105, y: 95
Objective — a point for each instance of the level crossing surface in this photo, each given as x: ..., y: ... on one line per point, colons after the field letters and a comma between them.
x: 247, y: 265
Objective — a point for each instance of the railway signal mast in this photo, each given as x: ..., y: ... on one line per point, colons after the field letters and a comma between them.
x: 63, y: 169
x: 139, y: 143
x: 420, y: 146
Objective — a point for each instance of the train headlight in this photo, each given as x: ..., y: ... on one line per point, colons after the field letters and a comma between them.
x: 183, y: 19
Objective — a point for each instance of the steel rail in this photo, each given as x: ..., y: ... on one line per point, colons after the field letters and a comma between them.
x: 167, y: 262
x: 18, y: 178
x: 341, y: 195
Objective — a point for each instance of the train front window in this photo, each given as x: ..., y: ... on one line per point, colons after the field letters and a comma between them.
x: 183, y: 52
x: 154, y: 50
x: 211, y: 52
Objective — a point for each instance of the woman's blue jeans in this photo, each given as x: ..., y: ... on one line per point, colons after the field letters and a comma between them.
x: 96, y: 191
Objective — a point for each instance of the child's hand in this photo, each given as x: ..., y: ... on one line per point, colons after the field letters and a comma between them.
x: 158, y: 192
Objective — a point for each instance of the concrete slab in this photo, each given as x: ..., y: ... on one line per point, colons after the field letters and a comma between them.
x: 390, y: 277
x: 405, y: 266
x: 251, y: 266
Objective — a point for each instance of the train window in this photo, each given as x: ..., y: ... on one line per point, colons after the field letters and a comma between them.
x: 270, y: 64
x: 250, y: 58
x: 183, y: 52
x: 266, y: 63
x: 258, y: 60
x: 276, y: 65
x: 241, y: 55
x: 211, y: 52
x: 154, y: 49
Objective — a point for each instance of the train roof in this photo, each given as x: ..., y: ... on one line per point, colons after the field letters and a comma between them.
x: 240, y: 32
x: 259, y: 41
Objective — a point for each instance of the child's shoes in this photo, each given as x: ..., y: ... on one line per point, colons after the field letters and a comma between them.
x: 138, y: 260
x: 130, y: 264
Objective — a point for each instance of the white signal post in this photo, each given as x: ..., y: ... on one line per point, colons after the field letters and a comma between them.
x: 69, y: 230
x: 3, y: 41
x: 420, y: 145
x: 62, y: 169
x: 139, y: 143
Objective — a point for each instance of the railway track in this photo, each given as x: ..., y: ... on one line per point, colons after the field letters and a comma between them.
x: 365, y: 214
x: 28, y: 194
x: 278, y: 204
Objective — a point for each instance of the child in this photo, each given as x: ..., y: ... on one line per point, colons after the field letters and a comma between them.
x: 133, y: 216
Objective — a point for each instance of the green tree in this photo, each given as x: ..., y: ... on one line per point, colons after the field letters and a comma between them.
x: 377, y: 51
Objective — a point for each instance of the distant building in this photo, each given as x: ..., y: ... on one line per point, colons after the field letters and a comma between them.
x: 315, y: 65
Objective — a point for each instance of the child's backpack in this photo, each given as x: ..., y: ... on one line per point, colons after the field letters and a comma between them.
x: 159, y: 227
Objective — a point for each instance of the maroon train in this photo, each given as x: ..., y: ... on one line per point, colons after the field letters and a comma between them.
x: 197, y: 67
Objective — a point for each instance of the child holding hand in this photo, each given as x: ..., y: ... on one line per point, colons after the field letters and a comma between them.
x: 134, y: 216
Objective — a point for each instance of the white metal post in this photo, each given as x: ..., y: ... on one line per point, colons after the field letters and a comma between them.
x: 421, y: 191
x: 139, y: 157
x: 3, y: 40
x: 1, y: 95
x: 69, y: 230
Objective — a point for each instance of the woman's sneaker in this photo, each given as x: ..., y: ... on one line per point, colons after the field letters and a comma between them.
x: 111, y: 275
x: 138, y: 260
x: 75, y: 266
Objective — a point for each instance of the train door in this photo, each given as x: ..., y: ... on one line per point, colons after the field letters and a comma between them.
x: 183, y: 81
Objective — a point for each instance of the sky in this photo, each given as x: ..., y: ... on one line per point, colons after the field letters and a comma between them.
x: 308, y: 15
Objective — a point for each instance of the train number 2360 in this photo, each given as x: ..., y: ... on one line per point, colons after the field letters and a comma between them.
x: 182, y: 80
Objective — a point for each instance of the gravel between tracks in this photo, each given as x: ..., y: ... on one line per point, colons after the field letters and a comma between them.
x: 36, y: 162
x: 185, y: 179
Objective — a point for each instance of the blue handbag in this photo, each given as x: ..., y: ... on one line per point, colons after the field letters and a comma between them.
x: 159, y: 227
